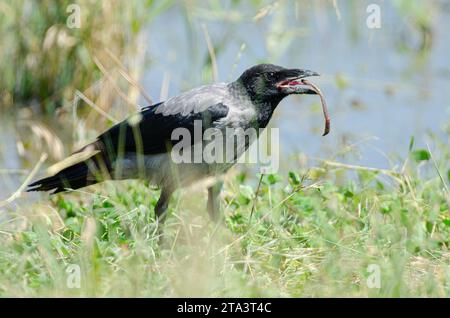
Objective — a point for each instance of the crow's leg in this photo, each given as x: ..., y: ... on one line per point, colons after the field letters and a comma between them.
x: 162, y: 204
x: 161, y: 212
x: 213, y: 201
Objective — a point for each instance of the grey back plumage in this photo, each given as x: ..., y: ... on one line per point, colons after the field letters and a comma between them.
x: 196, y: 100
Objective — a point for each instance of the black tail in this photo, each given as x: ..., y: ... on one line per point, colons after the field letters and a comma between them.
x: 73, y: 177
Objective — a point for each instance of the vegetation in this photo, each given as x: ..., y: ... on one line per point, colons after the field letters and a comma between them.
x: 306, y: 237
x: 49, y: 60
x: 323, y: 231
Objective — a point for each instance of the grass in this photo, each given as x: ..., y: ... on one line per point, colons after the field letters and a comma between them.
x: 309, y: 235
x: 318, y: 232
x: 49, y: 60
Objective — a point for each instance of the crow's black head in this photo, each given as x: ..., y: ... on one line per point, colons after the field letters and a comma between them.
x: 271, y: 83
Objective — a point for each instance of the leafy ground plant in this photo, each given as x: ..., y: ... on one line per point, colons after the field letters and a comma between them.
x: 372, y: 235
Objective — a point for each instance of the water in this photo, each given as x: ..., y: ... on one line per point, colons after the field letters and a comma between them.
x: 387, y: 92
x: 370, y: 60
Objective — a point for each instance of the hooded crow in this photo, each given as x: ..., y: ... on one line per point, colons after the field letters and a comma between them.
x: 142, y: 146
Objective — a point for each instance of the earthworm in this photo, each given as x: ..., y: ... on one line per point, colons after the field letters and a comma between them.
x: 324, y: 105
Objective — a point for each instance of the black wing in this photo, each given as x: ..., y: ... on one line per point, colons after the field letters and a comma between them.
x: 152, y: 135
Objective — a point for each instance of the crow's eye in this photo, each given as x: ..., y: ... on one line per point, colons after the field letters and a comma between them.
x: 270, y: 76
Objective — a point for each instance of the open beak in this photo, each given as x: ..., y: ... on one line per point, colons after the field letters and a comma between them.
x: 293, y: 83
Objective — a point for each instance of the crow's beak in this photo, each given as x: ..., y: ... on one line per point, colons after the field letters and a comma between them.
x: 293, y: 84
